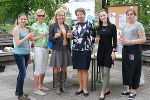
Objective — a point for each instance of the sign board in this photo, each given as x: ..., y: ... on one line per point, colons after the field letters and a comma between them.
x: 89, y: 6
x: 117, y: 14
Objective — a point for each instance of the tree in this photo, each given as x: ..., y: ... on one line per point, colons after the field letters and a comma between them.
x: 9, y: 9
x: 98, y: 6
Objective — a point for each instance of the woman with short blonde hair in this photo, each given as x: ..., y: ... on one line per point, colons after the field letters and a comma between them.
x: 61, y: 51
x: 40, y: 51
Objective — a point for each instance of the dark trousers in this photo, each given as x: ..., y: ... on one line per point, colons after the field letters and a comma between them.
x: 22, y: 63
x: 131, y: 65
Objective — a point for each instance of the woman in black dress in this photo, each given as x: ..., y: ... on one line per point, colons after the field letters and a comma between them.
x: 106, y: 49
x: 83, y: 39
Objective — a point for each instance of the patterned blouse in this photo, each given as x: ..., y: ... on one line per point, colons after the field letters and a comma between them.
x: 83, y: 36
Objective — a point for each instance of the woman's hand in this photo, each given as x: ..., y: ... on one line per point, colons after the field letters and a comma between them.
x: 69, y: 35
x: 30, y: 35
x: 57, y: 35
x: 97, y: 40
x: 113, y: 55
x: 125, y: 42
x: 42, y: 35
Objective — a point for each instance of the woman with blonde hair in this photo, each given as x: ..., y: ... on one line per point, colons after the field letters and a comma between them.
x: 61, y: 51
x: 40, y: 51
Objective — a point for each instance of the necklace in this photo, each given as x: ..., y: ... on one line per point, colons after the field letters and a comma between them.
x: 104, y: 28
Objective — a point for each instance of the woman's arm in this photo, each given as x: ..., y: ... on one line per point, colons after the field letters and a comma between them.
x: 53, y: 36
x: 19, y: 41
x: 141, y: 40
x: 114, y: 29
x: 93, y: 33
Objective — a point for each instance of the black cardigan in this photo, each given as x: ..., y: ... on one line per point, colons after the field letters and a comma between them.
x: 57, y: 43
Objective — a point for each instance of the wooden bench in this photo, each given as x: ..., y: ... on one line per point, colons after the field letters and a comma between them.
x: 146, y: 46
x: 6, y: 40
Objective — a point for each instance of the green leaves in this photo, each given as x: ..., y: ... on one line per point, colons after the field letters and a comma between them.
x: 9, y: 9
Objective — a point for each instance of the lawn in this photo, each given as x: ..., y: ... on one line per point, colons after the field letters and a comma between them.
x: 7, y: 27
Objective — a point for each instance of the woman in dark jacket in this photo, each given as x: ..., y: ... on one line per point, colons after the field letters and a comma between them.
x: 61, y: 52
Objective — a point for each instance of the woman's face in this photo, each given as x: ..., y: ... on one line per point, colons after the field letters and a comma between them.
x: 60, y: 17
x: 22, y: 20
x: 80, y: 16
x: 103, y: 16
x: 130, y: 16
x: 41, y: 16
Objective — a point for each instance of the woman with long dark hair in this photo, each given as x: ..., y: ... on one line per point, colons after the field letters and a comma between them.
x: 106, y: 49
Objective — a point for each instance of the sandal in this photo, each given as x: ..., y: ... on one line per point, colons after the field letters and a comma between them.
x: 44, y: 88
x: 40, y: 93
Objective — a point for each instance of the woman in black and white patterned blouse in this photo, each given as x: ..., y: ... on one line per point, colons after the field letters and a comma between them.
x: 83, y: 35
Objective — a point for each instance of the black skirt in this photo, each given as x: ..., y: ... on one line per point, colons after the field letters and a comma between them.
x: 81, y: 59
x: 131, y: 65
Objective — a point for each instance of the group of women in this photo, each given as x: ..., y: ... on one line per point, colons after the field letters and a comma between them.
x: 83, y: 36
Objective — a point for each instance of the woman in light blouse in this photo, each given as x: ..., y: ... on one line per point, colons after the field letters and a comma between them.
x: 40, y: 51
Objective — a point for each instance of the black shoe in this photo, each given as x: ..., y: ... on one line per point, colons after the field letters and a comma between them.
x: 25, y: 94
x: 86, y: 94
x: 77, y: 93
x: 23, y: 98
x: 131, y: 96
x: 125, y: 93
x: 107, y: 93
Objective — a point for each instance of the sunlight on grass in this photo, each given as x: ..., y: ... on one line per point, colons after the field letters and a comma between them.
x: 6, y: 27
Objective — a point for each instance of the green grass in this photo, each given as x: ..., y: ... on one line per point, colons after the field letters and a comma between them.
x: 7, y: 28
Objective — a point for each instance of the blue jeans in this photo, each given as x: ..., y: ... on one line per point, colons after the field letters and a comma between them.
x: 22, y: 63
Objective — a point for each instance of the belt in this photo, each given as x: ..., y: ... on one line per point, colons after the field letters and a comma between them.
x: 41, y: 47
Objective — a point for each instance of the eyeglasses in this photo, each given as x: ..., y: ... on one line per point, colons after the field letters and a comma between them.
x: 41, y: 15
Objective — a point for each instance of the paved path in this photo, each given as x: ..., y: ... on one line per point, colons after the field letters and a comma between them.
x: 8, y: 82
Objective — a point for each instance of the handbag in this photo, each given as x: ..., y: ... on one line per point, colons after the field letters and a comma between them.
x: 2, y: 67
